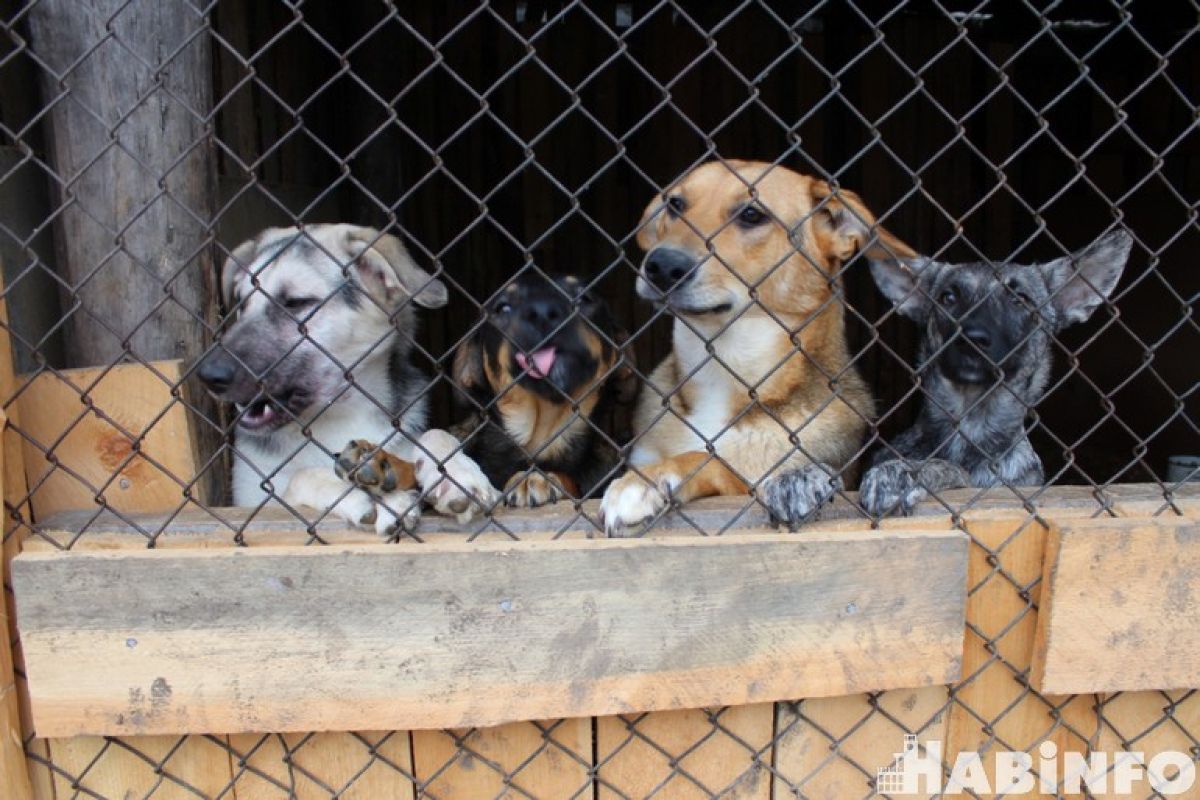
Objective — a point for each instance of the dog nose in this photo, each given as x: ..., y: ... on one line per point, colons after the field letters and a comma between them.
x: 544, y: 315
x: 217, y: 371
x: 978, y: 336
x: 666, y: 266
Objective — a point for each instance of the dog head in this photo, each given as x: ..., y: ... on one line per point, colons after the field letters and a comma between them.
x: 548, y: 336
x: 731, y: 232
x: 980, y: 318
x: 304, y: 308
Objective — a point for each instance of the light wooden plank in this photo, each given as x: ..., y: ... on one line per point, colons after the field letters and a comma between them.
x: 464, y: 635
x: 1121, y: 607
x: 91, y: 445
x: 686, y: 754
x: 316, y: 766
x: 127, y: 768
x: 550, y: 758
x: 216, y: 527
x: 14, y: 776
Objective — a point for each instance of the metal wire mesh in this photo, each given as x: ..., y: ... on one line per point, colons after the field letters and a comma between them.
x: 498, y: 139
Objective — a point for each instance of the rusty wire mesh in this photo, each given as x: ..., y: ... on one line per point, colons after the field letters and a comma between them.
x: 499, y: 138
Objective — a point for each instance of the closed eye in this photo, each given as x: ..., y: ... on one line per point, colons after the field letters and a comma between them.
x: 294, y: 304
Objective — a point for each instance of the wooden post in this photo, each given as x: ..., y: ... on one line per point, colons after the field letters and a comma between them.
x: 14, y: 778
x: 130, y: 96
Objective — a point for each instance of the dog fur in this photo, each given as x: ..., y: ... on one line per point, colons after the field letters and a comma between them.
x: 315, y: 352
x: 760, y: 388
x: 984, y: 362
x: 544, y: 433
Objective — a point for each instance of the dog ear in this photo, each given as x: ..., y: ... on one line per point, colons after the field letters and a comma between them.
x: 648, y: 228
x: 238, y: 260
x: 388, y: 273
x: 467, y: 369
x: 907, y: 283
x: 1080, y: 282
x: 848, y: 226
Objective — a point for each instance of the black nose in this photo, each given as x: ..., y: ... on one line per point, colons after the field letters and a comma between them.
x: 543, y: 315
x: 666, y: 267
x: 978, y: 336
x: 217, y: 370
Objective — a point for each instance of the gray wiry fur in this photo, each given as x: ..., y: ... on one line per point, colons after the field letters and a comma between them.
x: 984, y: 362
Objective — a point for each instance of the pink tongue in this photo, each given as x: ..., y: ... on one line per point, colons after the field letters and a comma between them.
x: 540, y: 363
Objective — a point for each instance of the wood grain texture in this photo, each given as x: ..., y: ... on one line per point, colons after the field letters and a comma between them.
x: 1120, y: 607
x: 467, y: 635
x: 14, y: 777
x: 118, y: 432
x: 218, y: 527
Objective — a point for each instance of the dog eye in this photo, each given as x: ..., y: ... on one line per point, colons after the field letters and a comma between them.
x: 751, y: 216
x: 1021, y: 294
x: 948, y: 298
x: 504, y: 308
x: 676, y: 205
x: 299, y: 303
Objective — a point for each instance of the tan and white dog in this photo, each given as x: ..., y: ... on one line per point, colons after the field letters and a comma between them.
x: 759, y: 391
x: 316, y: 353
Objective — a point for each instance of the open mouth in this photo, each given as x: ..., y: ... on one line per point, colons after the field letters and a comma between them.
x: 538, y: 363
x: 720, y: 308
x: 259, y: 415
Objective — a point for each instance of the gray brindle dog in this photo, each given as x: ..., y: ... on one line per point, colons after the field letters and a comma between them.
x: 984, y: 362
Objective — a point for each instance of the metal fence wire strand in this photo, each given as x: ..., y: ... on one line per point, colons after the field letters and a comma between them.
x: 510, y: 140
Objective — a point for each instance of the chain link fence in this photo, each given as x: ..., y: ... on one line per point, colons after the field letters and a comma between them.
x: 144, y: 141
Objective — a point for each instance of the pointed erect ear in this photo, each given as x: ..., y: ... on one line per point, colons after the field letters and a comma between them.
x: 907, y: 282
x: 650, y: 227
x: 1080, y: 282
x: 386, y: 271
x: 845, y: 226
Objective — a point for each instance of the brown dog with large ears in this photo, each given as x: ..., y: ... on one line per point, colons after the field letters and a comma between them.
x: 761, y: 390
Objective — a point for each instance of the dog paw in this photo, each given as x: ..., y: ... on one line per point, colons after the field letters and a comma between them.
x: 533, y: 488
x: 890, y: 488
x: 451, y: 480
x: 371, y: 468
x: 357, y: 508
x: 399, y: 513
x: 795, y: 496
x: 632, y: 500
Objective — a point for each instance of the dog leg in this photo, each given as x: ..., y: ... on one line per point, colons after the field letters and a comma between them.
x: 795, y: 496
x: 451, y: 480
x: 317, y: 488
x: 534, y: 488
x: 896, y: 487
x: 633, y: 499
x: 388, y: 479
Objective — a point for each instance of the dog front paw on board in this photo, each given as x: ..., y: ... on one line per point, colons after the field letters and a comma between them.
x: 797, y: 495
x: 536, y: 488
x: 637, y: 497
x: 451, y: 480
x: 891, y: 488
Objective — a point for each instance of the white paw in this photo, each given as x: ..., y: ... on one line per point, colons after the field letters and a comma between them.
x: 452, y: 482
x: 357, y: 508
x: 631, y: 500
x: 321, y: 489
x: 399, y: 512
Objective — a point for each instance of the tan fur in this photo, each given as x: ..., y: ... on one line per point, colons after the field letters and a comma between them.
x: 784, y: 342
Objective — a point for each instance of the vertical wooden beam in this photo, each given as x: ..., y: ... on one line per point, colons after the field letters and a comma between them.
x: 128, y: 88
x: 14, y: 778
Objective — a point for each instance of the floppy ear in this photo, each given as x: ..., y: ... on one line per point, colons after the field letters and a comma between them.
x: 649, y: 229
x: 388, y: 273
x: 907, y: 283
x: 1080, y: 282
x: 241, y: 258
x: 848, y: 226
x: 467, y: 369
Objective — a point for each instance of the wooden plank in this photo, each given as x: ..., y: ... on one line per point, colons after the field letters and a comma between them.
x: 1120, y: 607
x: 81, y: 430
x: 550, y: 758
x: 216, y: 527
x: 128, y: 767
x: 14, y: 776
x: 696, y: 753
x: 155, y: 642
x: 309, y: 766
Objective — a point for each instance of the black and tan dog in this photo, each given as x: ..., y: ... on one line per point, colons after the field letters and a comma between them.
x: 542, y: 376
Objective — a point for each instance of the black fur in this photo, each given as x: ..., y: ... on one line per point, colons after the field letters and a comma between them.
x: 530, y: 314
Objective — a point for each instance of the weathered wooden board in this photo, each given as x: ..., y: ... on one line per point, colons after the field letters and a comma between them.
x: 1120, y: 607
x: 443, y: 636
x: 129, y: 440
